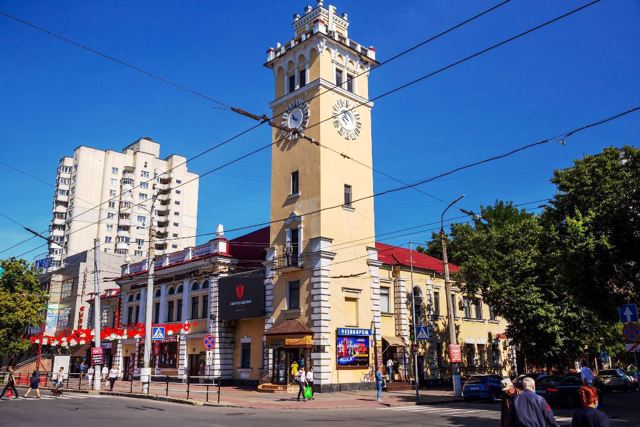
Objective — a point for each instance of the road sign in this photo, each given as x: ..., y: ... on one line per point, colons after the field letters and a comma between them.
x: 422, y: 333
x: 209, y: 342
x: 633, y: 347
x: 209, y: 358
x: 96, y: 355
x: 157, y: 333
x: 455, y: 354
x: 631, y: 332
x: 628, y: 313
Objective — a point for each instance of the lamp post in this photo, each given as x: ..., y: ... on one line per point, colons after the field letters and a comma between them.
x: 145, y: 374
x: 413, y: 321
x: 455, y: 372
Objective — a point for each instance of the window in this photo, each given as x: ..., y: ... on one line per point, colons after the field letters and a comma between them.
x: 194, y: 307
x: 137, y: 253
x: 436, y: 303
x: 171, y: 291
x: 385, y: 306
x: 114, y: 181
x: 142, y: 220
x: 66, y: 288
x: 245, y: 359
x: 295, y: 176
x: 339, y: 78
x: 176, y: 213
x: 112, y: 204
x: 170, y: 306
x: 467, y: 307
x: 205, y: 306
x: 417, y: 299
x: 178, y: 192
x: 478, y: 305
x: 292, y: 82
x: 130, y: 315
x: 112, y: 193
x: 110, y: 215
x: 144, y: 185
x: 107, y: 239
x: 351, y: 311
x: 156, y: 313
x: 139, y: 242
x: 114, y: 171
x: 174, y: 235
x: 293, y: 295
x: 347, y: 195
x: 137, y: 314
x: 302, y: 74
x: 143, y: 196
x: 178, y: 181
x: 176, y: 224
x: 180, y: 289
x: 179, y: 311
x: 349, y: 82
x: 177, y: 202
x: 492, y: 314
x: 144, y: 174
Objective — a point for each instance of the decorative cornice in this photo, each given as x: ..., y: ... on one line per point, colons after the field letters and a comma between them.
x: 322, y: 84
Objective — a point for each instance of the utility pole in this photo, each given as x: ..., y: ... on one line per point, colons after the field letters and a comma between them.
x: 145, y: 374
x: 97, y: 315
x: 415, y: 332
x: 455, y: 373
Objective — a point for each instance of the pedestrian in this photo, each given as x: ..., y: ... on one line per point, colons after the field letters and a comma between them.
x: 390, y: 365
x: 310, y: 381
x: 11, y: 383
x: 379, y: 381
x: 294, y: 371
x: 113, y: 376
x: 302, y: 381
x: 90, y: 373
x: 586, y: 374
x: 531, y: 409
x: 105, y: 373
x: 34, y: 384
x: 589, y: 415
x: 59, y: 382
x: 83, y: 369
x: 507, y: 411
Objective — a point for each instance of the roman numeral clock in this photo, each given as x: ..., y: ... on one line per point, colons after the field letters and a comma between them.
x: 346, y: 120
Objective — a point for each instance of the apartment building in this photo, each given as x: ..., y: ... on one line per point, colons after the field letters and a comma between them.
x: 113, y: 196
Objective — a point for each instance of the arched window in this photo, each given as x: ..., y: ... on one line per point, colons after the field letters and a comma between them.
x: 417, y: 295
x: 195, y: 286
x: 171, y: 291
x: 180, y: 289
x: 157, y: 293
x: 205, y: 284
x: 138, y: 296
x: 130, y: 299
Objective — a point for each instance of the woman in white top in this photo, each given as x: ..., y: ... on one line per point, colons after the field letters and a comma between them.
x: 310, y: 381
x: 105, y: 373
x: 90, y: 372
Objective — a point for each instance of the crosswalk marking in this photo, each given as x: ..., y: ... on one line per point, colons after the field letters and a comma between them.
x: 66, y: 396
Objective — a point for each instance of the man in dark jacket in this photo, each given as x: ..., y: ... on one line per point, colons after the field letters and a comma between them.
x: 532, y: 410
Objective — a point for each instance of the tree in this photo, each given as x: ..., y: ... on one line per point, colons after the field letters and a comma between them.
x: 593, y: 224
x: 22, y: 305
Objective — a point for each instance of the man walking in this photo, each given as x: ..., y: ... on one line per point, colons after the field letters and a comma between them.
x: 532, y: 410
x: 11, y: 383
x: 113, y: 376
x: 586, y: 374
x: 302, y: 381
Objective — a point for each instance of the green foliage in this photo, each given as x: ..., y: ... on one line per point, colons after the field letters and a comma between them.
x: 22, y: 305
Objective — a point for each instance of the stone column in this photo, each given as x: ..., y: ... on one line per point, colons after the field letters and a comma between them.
x: 117, y: 359
x: 374, y: 270
x: 186, y: 304
x: 267, y: 355
x: 401, y: 319
x: 222, y: 366
x: 320, y: 258
x: 183, y: 357
x: 163, y: 304
x: 124, y: 313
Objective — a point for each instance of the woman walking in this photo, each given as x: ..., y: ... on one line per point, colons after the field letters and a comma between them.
x: 310, y: 381
x: 11, y: 383
x: 34, y: 384
x: 113, y: 376
x: 379, y: 383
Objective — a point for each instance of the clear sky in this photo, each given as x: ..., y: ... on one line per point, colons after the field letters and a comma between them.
x: 55, y: 97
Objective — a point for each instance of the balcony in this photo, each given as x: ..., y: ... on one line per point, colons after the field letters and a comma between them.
x: 123, y: 232
x: 57, y: 232
x: 122, y: 246
x: 62, y: 198
x: 60, y: 208
x: 287, y: 261
x: 125, y: 222
x: 58, y: 221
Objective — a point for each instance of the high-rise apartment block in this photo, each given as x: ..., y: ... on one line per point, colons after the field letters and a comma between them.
x: 109, y: 195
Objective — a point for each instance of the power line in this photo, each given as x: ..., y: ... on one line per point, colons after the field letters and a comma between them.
x: 263, y: 119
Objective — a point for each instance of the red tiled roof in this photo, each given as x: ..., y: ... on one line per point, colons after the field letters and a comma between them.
x: 394, y: 255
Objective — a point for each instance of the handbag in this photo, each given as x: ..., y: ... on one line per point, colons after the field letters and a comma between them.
x: 308, y: 392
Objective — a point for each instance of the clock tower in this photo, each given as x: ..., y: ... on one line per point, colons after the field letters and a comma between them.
x: 322, y: 285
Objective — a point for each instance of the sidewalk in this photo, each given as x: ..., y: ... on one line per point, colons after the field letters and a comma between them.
x: 250, y: 398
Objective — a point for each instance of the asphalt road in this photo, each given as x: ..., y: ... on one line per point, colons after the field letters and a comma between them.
x: 89, y: 410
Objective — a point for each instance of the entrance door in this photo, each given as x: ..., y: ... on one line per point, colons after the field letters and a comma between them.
x: 125, y: 367
x: 196, y: 364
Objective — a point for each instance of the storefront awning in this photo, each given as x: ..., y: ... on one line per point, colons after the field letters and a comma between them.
x: 289, y: 334
x: 394, y: 341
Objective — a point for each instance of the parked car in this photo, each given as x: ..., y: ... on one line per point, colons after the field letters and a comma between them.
x: 563, y: 390
x: 617, y: 379
x: 480, y: 387
x: 537, y: 376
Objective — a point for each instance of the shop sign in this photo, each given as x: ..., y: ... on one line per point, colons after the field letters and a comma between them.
x: 96, y: 355
x: 455, y: 354
x: 240, y: 297
x: 352, y: 351
x: 353, y: 332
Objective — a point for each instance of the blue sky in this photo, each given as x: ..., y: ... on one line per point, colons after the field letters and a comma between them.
x: 56, y: 97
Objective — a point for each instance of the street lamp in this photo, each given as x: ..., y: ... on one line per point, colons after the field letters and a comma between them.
x: 455, y: 373
x: 145, y: 374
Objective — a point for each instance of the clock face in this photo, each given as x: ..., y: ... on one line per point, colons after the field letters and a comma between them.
x: 296, y: 117
x: 346, y: 119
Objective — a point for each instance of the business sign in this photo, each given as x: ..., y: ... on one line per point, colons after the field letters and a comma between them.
x: 628, y: 313
x: 353, y: 332
x: 240, y: 297
x: 352, y: 351
x: 157, y: 333
x: 455, y: 354
x: 51, y: 321
x: 96, y: 355
x: 422, y: 333
x: 209, y: 342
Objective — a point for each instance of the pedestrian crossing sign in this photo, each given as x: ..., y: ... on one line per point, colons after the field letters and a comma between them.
x: 157, y: 333
x: 422, y: 333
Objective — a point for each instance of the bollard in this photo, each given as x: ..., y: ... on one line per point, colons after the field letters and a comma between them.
x: 207, y: 392
x: 167, y: 384
x: 188, y: 382
x: 131, y: 388
x: 219, y: 381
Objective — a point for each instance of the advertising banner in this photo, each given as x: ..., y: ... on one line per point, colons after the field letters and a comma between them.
x: 455, y: 354
x: 352, y: 351
x: 96, y: 355
x: 51, y: 321
x: 240, y: 297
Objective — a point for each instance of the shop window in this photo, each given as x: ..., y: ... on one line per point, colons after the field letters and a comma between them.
x: 436, y: 303
x: 245, y: 359
x: 194, y: 307
x: 385, y: 305
x: 170, y: 307
x: 179, y: 311
x: 156, y: 313
x: 293, y: 295
x: 205, y: 306
x: 168, y: 355
x: 351, y: 311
